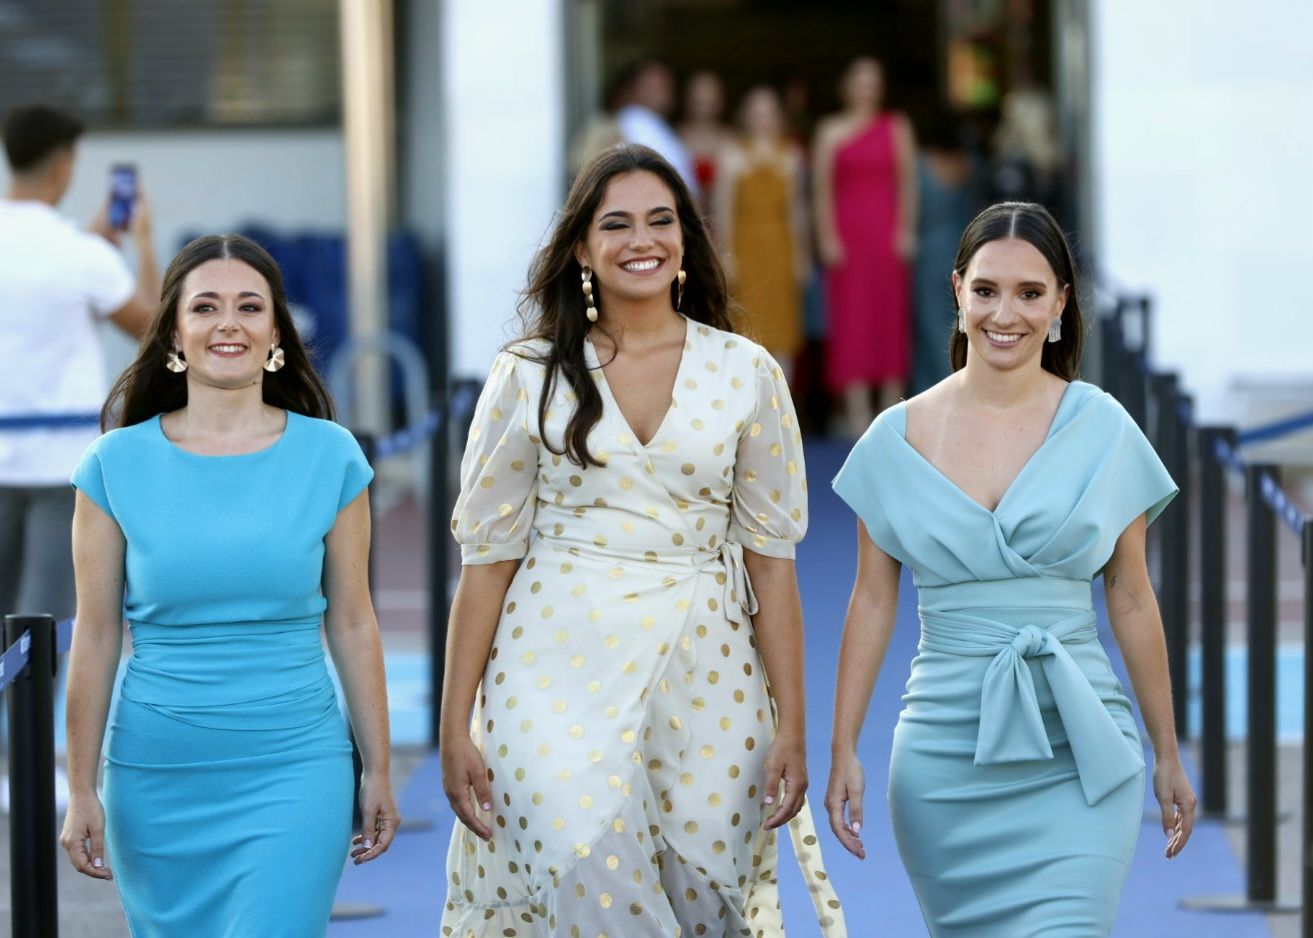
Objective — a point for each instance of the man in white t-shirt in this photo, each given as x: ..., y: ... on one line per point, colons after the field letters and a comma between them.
x: 647, y: 101
x: 56, y: 282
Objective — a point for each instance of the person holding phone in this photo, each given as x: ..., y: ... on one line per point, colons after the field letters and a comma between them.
x: 56, y: 283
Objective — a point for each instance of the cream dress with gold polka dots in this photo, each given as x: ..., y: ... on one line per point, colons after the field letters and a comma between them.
x: 624, y: 714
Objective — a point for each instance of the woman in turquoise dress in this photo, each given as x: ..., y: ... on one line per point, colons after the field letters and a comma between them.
x: 1016, y: 778
x: 226, y: 518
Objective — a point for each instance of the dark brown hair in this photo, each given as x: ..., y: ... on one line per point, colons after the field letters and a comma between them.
x: 148, y: 388
x: 552, y: 304
x: 1033, y: 224
x: 34, y: 132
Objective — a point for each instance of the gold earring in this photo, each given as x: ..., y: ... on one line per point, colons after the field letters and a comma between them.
x: 176, y: 363
x: 275, y: 361
x: 679, y: 294
x: 587, y: 276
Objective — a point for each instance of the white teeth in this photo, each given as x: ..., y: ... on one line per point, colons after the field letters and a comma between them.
x: 641, y: 265
x: 228, y: 349
x: 1005, y: 339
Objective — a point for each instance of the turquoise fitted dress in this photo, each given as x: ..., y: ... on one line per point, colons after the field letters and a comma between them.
x: 228, y: 778
x: 1016, y: 782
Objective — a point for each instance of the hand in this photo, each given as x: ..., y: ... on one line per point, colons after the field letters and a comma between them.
x: 830, y: 249
x: 786, y: 764
x: 84, y: 836
x: 1171, y: 786
x: 465, y: 782
x: 378, y: 818
x: 905, y: 244
x: 100, y: 225
x: 847, y: 785
x: 141, y: 224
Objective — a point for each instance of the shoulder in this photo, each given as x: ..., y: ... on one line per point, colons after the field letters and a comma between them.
x: 1090, y: 399
x: 125, y: 443
x: 521, y: 357
x: 323, y: 435
x: 734, y: 347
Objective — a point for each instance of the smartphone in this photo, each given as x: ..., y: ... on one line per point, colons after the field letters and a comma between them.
x: 122, y: 194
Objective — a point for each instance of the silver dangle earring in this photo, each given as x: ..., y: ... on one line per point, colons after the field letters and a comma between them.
x: 276, y: 360
x: 587, y: 275
x: 679, y: 294
x: 1055, y: 330
x: 176, y: 363
x: 961, y: 321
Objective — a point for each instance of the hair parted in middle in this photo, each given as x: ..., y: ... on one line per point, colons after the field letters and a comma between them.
x: 552, y: 303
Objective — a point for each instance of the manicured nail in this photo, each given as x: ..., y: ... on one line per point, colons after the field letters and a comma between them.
x: 487, y: 806
x: 770, y: 799
x: 369, y: 844
x: 857, y: 828
x: 98, y: 863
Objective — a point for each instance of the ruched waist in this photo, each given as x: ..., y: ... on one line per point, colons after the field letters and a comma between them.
x: 1011, y: 724
x: 1035, y: 592
x: 726, y: 562
x: 261, y: 674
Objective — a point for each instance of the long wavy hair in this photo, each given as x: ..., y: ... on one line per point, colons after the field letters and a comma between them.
x: 552, y: 304
x: 1033, y: 224
x: 148, y: 388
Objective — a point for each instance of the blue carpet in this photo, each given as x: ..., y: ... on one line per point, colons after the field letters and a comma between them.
x: 876, y: 894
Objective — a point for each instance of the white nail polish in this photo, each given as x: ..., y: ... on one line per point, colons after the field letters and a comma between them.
x: 770, y: 799
x: 98, y: 863
x: 487, y: 806
x: 857, y: 828
x: 369, y: 844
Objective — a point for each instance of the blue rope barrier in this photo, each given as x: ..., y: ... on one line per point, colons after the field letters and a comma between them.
x: 1224, y: 454
x: 16, y: 656
x: 408, y: 438
x: 1276, y: 429
x: 1281, y: 504
x: 48, y: 421
x: 1185, y: 410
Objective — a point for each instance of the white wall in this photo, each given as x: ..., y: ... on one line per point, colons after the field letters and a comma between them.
x: 503, y: 89
x: 1203, y: 185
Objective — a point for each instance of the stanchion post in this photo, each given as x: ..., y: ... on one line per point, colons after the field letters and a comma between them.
x: 439, y: 567
x: 1136, y: 381
x: 1212, y: 619
x: 1113, y: 351
x: 1261, y: 785
x: 1178, y: 549
x: 34, y: 902
x: 368, y: 446
x: 1306, y: 854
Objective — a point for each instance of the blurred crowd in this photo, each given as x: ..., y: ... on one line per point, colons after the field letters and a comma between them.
x: 838, y: 232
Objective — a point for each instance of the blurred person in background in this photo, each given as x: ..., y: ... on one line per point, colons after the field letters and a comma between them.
x: 1027, y: 155
x: 632, y: 491
x: 601, y: 131
x: 56, y: 283
x: 704, y: 132
x: 228, y: 519
x: 948, y: 197
x: 864, y: 172
x: 646, y: 102
x: 763, y: 225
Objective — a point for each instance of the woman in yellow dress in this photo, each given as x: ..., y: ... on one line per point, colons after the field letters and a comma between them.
x: 631, y: 494
x: 763, y: 225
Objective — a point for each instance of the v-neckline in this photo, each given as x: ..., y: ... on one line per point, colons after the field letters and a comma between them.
x: 685, y: 346
x: 993, y: 512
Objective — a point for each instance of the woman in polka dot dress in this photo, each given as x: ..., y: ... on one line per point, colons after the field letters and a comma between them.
x: 628, y: 615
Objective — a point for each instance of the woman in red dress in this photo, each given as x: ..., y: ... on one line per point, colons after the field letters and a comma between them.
x: 865, y: 204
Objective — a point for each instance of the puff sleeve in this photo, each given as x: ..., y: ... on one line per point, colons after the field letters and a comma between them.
x: 499, y: 470
x: 769, y: 510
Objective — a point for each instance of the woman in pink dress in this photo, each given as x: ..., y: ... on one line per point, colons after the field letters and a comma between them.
x: 865, y: 203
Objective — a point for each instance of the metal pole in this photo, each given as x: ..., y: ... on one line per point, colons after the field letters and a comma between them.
x: 1113, y: 352
x: 1306, y: 918
x: 1178, y: 549
x: 1136, y: 381
x: 439, y: 568
x: 1212, y: 623
x: 1261, y: 587
x: 32, y: 833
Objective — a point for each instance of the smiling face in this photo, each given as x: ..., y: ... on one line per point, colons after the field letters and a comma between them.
x: 1008, y: 295
x: 634, y: 244
x: 225, y: 324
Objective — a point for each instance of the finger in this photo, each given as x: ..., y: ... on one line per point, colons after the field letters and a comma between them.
x: 855, y: 815
x: 774, y: 776
x: 478, y: 798
x: 364, y: 849
x: 1169, y: 816
x: 482, y: 792
x: 847, y: 837
x: 387, y: 832
x: 97, y: 837
x: 794, y: 789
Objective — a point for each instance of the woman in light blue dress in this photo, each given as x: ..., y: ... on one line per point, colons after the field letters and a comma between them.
x: 1016, y: 778
x: 227, y: 520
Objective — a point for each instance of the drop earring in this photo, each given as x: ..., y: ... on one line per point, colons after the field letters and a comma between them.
x: 679, y: 293
x: 176, y: 363
x: 1055, y: 330
x: 587, y: 276
x: 961, y: 321
x: 276, y: 360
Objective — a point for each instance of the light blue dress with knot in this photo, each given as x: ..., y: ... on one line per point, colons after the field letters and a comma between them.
x: 1016, y: 781
x: 228, y: 780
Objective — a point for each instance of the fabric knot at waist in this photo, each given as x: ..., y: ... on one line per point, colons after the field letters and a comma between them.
x: 1011, y: 725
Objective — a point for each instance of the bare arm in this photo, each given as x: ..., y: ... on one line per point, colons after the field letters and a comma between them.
x: 778, y: 629
x: 353, y: 641
x: 1138, y: 629
x: 475, y: 611
x: 908, y: 192
x: 98, y: 554
x: 723, y: 197
x: 798, y: 216
x: 828, y: 243
x: 867, y: 630
x: 135, y: 315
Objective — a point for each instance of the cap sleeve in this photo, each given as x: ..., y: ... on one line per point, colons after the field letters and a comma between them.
x: 499, y: 470
x: 859, y: 483
x: 769, y: 512
x: 1130, y: 479
x: 89, y: 478
x: 356, y: 474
